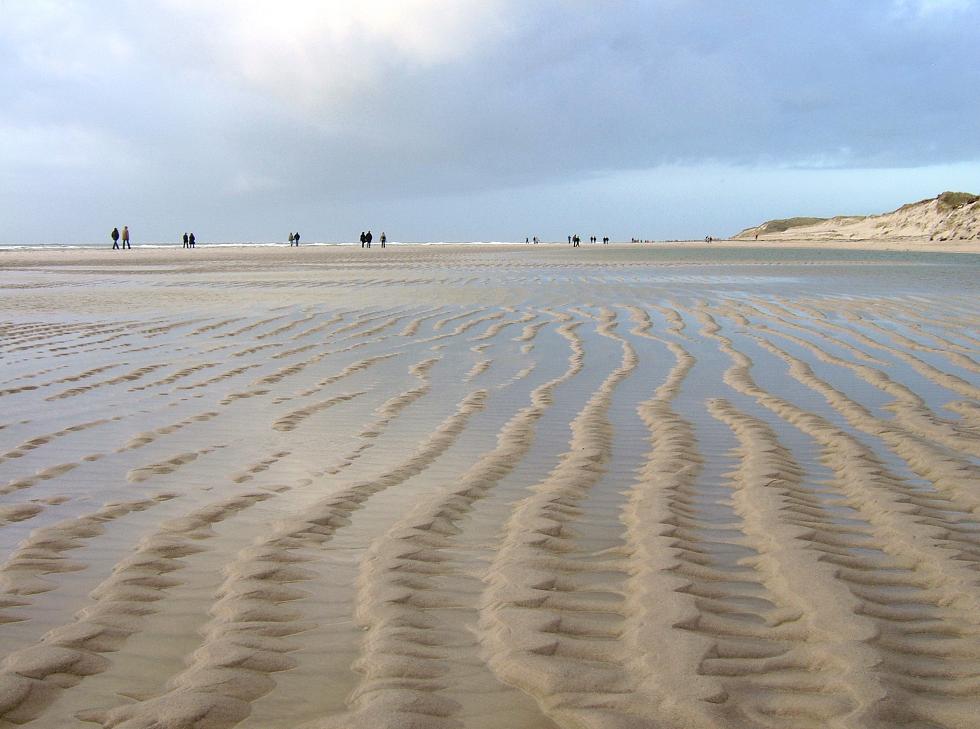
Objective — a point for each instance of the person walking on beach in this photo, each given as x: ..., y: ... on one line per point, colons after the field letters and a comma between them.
x: 125, y: 237
x: 191, y: 240
x: 296, y: 239
x: 384, y: 239
x: 115, y: 238
x: 368, y: 238
x: 290, y: 239
x: 186, y: 241
x: 363, y: 239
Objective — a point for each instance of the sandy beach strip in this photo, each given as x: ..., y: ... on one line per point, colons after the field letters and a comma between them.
x: 672, y: 485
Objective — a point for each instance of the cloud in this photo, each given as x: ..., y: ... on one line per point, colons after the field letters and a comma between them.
x: 931, y: 8
x: 314, y: 53
x: 308, y: 105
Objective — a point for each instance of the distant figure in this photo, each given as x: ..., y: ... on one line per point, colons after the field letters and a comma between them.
x: 569, y: 239
x: 384, y: 239
x: 363, y: 239
x: 368, y: 238
x: 290, y: 240
x: 527, y: 241
x: 605, y: 240
x: 125, y: 237
x: 115, y: 238
x: 296, y: 239
x: 186, y: 241
x: 757, y: 236
x: 576, y: 241
x: 191, y: 240
x: 535, y: 239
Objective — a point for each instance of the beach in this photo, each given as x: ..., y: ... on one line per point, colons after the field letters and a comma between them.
x: 718, y: 486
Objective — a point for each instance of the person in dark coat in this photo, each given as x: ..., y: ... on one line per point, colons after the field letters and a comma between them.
x: 115, y: 238
x: 191, y: 240
x: 186, y: 241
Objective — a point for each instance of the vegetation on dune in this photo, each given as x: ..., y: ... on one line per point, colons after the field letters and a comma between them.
x: 778, y: 226
x: 953, y: 200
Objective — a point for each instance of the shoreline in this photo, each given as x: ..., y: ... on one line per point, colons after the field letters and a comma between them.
x: 153, y: 252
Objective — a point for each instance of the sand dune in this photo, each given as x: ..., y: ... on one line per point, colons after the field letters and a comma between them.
x: 482, y: 488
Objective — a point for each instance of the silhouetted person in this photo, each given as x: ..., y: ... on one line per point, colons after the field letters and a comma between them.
x: 363, y: 238
x: 115, y: 238
x: 296, y: 239
x: 290, y: 240
x: 569, y: 239
x: 191, y: 240
x: 125, y: 237
x: 384, y: 239
x: 186, y: 241
x: 368, y: 238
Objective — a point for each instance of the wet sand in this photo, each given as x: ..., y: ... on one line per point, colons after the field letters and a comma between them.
x: 481, y: 487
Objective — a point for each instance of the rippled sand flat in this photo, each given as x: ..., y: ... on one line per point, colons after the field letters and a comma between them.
x: 521, y: 487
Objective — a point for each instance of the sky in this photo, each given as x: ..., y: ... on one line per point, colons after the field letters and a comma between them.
x: 244, y: 120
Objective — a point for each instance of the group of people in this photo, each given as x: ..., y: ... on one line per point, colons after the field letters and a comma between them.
x: 366, y: 239
x: 577, y: 242
x: 116, y: 237
x: 294, y: 239
x: 190, y: 241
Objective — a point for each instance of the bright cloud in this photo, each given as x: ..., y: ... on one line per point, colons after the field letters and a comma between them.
x: 250, y: 109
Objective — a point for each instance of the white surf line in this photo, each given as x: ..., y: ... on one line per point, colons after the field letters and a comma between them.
x: 32, y: 677
x: 407, y: 580
x: 252, y: 619
x: 529, y: 625
x: 882, y: 498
